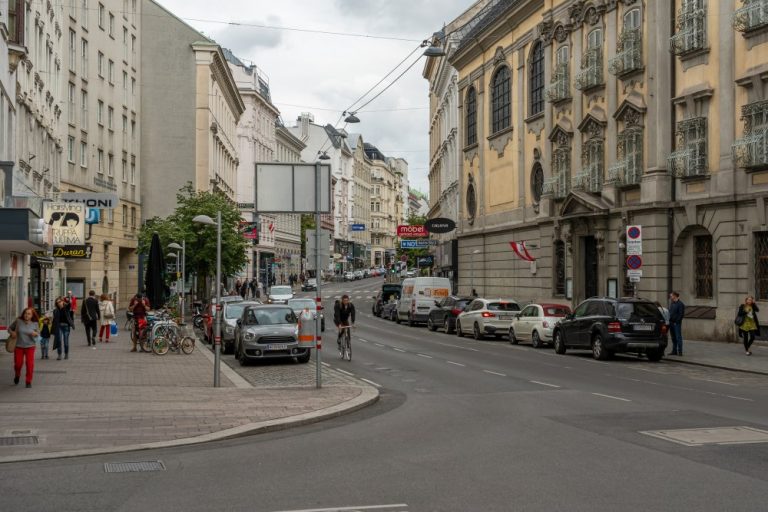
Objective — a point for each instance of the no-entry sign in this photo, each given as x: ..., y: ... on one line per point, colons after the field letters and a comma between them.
x: 634, y: 262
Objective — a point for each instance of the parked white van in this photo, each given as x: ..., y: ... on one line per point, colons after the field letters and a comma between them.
x: 418, y: 297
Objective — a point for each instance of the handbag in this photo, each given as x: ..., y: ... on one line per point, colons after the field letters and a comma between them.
x: 113, y: 328
x: 739, y: 320
x: 10, y: 344
x: 109, y: 314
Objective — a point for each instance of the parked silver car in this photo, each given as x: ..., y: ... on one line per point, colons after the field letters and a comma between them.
x: 268, y: 331
x: 484, y: 317
x: 232, y: 312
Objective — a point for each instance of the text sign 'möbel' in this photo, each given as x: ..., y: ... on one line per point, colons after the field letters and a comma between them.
x: 416, y: 231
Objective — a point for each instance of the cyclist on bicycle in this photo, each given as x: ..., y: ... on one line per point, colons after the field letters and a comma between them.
x: 343, y: 313
x: 139, y: 306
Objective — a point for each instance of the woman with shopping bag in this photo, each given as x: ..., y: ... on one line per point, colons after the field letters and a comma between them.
x: 107, y: 310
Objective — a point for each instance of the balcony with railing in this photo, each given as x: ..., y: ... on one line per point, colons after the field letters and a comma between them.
x: 559, y: 88
x: 691, y: 35
x: 752, y: 16
x: 590, y: 179
x: 689, y: 162
x: 556, y: 186
x: 751, y: 151
x: 629, y: 56
x: 591, y: 74
x: 622, y: 174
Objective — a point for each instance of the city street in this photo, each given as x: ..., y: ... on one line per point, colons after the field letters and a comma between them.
x: 461, y: 425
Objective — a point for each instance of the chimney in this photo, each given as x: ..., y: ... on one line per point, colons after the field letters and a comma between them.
x: 304, y: 119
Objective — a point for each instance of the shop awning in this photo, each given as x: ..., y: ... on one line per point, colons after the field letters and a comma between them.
x: 21, y: 230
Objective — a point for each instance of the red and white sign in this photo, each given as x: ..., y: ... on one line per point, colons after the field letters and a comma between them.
x: 417, y: 231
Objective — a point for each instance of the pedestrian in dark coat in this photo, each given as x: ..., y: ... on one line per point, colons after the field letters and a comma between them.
x: 676, y: 315
x: 90, y: 315
x: 61, y: 326
x: 747, y: 322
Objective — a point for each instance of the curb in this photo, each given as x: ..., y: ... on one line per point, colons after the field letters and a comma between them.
x: 716, y: 366
x: 368, y: 395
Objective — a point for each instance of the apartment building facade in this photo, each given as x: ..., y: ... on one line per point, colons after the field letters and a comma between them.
x: 360, y: 221
x: 101, y: 69
x: 581, y: 118
x: 385, y: 192
x: 288, y: 227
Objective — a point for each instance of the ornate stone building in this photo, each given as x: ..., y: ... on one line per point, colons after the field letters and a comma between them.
x: 579, y: 118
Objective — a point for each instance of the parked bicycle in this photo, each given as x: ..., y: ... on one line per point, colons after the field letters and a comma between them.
x: 166, y: 335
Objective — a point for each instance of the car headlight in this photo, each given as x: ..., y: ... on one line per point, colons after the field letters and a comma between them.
x: 249, y: 336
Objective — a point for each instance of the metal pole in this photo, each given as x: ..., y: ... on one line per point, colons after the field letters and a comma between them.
x: 318, y: 298
x: 219, y: 311
x: 182, y: 301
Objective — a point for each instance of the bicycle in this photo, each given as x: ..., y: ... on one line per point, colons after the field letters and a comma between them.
x: 165, y: 336
x: 345, y: 345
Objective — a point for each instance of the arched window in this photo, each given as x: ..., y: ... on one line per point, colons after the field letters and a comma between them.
x: 536, y: 77
x: 471, y: 116
x: 632, y: 20
x: 537, y: 182
x: 501, y: 110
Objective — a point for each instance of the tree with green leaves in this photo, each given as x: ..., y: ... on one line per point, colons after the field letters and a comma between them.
x: 201, y: 239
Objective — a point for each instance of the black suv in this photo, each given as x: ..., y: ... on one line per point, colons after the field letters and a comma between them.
x: 388, y: 291
x: 606, y: 326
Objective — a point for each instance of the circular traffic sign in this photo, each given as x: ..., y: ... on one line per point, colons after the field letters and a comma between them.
x: 633, y: 232
x: 634, y: 262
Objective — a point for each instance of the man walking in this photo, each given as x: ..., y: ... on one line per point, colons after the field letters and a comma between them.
x: 90, y: 315
x: 676, y: 314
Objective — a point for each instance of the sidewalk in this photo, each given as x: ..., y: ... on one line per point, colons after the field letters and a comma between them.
x: 111, y: 400
x: 728, y: 356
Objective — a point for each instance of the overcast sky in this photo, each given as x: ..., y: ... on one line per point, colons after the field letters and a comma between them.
x: 318, y: 71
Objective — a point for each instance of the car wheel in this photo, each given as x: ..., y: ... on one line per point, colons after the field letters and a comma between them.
x: 447, y: 326
x: 599, y: 351
x: 304, y: 359
x: 559, y: 343
x: 476, y: 332
x: 241, y: 356
x: 512, y: 339
x: 654, y: 355
x: 459, y: 332
x: 431, y: 325
x: 535, y: 340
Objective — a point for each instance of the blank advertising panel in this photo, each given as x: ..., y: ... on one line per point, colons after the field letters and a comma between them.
x: 290, y: 188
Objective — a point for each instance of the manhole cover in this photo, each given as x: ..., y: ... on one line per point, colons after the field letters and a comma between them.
x: 18, y: 440
x: 716, y: 435
x: 131, y: 467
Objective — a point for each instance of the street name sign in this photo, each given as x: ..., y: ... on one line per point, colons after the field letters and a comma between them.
x: 416, y: 244
x: 634, y: 240
x: 357, y: 227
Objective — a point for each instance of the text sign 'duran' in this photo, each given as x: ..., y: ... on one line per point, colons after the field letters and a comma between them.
x: 440, y: 225
x: 416, y: 231
x: 290, y: 188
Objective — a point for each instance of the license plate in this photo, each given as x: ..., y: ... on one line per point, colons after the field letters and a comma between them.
x: 277, y: 346
x: 644, y: 327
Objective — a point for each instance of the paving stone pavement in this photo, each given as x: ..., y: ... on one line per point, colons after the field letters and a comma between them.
x: 109, y: 399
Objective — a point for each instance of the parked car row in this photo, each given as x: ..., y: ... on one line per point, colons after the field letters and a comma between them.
x: 602, y: 325
x: 354, y: 275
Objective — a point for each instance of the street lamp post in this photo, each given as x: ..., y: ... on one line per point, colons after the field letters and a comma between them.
x: 204, y: 219
x: 182, y: 298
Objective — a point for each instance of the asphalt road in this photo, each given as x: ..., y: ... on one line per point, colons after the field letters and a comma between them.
x: 463, y: 426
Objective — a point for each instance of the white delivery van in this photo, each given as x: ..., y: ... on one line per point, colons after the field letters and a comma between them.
x: 418, y: 297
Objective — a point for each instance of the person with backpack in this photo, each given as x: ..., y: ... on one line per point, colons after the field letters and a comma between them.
x: 90, y: 316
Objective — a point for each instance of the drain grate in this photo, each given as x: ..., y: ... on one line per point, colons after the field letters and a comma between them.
x: 133, y: 467
x: 18, y: 440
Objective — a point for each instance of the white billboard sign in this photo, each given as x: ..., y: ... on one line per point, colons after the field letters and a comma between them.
x: 67, y: 221
x: 290, y: 188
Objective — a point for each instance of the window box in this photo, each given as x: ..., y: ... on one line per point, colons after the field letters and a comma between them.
x: 691, y: 35
x: 559, y: 87
x: 629, y: 57
x: 591, y: 74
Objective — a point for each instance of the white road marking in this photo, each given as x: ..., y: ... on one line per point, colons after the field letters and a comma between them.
x: 612, y: 397
x: 544, y: 384
x: 370, y: 382
x: 351, y: 509
x: 740, y: 398
x: 345, y: 372
x: 378, y: 344
x: 458, y: 346
x: 457, y: 364
x: 326, y: 365
x: 398, y: 349
x: 425, y: 355
x: 495, y: 373
x: 717, y: 382
x: 364, y: 341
